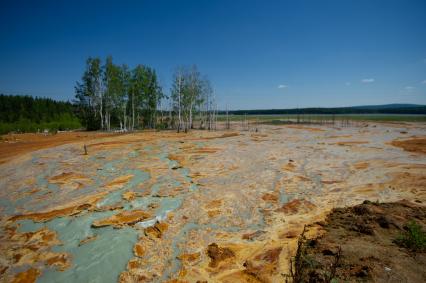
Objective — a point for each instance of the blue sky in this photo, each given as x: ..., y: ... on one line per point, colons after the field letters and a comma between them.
x: 258, y: 54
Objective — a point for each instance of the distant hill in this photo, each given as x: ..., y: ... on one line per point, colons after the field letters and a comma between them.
x: 366, y: 109
x: 389, y: 106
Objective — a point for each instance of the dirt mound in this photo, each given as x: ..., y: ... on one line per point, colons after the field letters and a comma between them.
x: 368, y: 242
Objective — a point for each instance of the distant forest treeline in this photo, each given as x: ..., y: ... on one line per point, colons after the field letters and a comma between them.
x: 379, y: 109
x: 32, y: 114
x: 131, y: 100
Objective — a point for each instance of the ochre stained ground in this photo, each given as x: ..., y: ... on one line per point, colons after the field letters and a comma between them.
x: 223, y: 206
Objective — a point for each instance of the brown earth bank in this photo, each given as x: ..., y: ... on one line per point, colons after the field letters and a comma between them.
x: 369, y: 242
x: 12, y: 145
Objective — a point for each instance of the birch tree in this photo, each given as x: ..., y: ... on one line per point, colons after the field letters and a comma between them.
x: 190, y: 94
x: 89, y: 92
x: 177, y: 94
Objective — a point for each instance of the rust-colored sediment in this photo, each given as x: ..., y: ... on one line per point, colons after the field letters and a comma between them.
x: 240, y: 183
x: 118, y: 182
x: 13, y: 145
x: 138, y: 250
x: 123, y: 218
x: 297, y: 206
x: 189, y: 257
x: 67, y: 177
x: 218, y: 254
x: 225, y: 135
x: 129, y: 196
x: 28, y: 276
x: 61, y: 212
x: 298, y: 127
x: 157, y: 230
x: 49, y: 215
x: 349, y: 143
x: 412, y: 145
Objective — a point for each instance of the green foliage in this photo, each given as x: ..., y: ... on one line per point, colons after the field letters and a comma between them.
x: 144, y: 95
x: 414, y: 237
x: 29, y: 114
x: 189, y: 94
x: 112, y: 95
x: 87, y: 94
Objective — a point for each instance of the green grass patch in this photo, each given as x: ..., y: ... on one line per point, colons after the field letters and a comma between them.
x: 62, y: 123
x: 414, y: 238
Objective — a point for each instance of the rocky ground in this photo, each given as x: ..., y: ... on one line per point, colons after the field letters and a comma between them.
x: 223, y: 206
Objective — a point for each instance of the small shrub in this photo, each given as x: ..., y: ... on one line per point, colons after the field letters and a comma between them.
x: 414, y: 237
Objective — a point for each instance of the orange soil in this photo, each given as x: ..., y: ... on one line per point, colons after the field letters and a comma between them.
x: 361, y: 165
x: 129, y: 196
x: 412, y: 145
x: 349, y: 143
x: 298, y: 127
x: 138, y: 250
x: 121, y: 219
x: 67, y: 177
x: 12, y: 145
x: 46, y: 216
x: 27, y: 276
x: 70, y: 210
x: 156, y: 231
x: 189, y: 257
x: 225, y: 135
x: 296, y: 206
x: 118, y: 182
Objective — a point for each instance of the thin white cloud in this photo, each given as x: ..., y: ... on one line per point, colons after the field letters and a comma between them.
x: 423, y: 82
x: 409, y: 88
x: 282, y: 86
x: 348, y: 83
x: 367, y: 81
